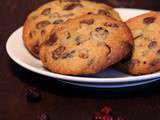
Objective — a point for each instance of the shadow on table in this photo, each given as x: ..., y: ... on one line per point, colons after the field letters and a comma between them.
x: 54, y: 86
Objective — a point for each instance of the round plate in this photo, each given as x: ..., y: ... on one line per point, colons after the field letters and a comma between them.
x: 21, y: 56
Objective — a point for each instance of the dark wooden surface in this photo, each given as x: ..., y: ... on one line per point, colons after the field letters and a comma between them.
x: 61, y: 101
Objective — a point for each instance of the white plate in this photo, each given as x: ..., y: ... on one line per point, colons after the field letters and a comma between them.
x: 21, y: 56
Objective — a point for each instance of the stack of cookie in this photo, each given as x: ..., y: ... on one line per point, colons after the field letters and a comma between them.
x: 78, y: 37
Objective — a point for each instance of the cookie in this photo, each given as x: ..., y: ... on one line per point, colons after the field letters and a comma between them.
x: 86, y: 45
x: 39, y: 23
x: 145, y: 57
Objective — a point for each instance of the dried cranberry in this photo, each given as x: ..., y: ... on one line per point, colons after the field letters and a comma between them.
x: 43, y: 116
x: 113, y: 25
x: 152, y: 44
x: 149, y: 20
x: 33, y: 95
x: 72, y: 6
x: 106, y: 111
x: 53, y: 38
x: 87, y: 21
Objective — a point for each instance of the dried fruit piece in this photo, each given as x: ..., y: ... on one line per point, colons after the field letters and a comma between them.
x: 152, y: 45
x: 68, y: 54
x: 158, y: 52
x: 58, y: 52
x: 43, y: 32
x: 46, y: 11
x: 89, y: 13
x: 113, y: 25
x: 78, y: 40
x: 30, y: 35
x: 72, y: 6
x: 42, y: 24
x: 133, y: 62
x: 155, y: 62
x: 58, y: 21
x: 149, y: 20
x: 33, y: 95
x: 105, y: 114
x: 106, y: 111
x: 52, y: 39
x: 103, y: 12
x: 87, y: 21
x: 84, y: 54
x: 100, y: 33
x: 68, y: 35
x: 35, y: 49
x: 42, y: 116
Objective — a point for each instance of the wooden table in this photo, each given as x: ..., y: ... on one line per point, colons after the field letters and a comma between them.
x: 61, y: 101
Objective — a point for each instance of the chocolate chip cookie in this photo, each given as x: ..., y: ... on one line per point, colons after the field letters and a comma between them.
x: 40, y: 22
x: 86, y: 45
x: 145, y: 56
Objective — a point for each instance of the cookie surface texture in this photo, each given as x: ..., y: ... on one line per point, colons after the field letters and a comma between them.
x: 39, y: 23
x: 86, y: 45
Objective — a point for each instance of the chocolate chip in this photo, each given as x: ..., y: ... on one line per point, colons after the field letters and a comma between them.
x: 155, y: 62
x: 87, y: 21
x: 42, y: 24
x: 68, y: 54
x: 46, y: 11
x: 43, y: 116
x: 103, y: 12
x: 33, y: 95
x: 52, y: 39
x: 58, y: 52
x: 113, y: 25
x: 149, y: 20
x: 72, y: 6
x: 35, y: 49
x: 58, y: 21
x: 152, y: 45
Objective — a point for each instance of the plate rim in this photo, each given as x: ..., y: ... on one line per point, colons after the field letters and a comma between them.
x: 78, y: 78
